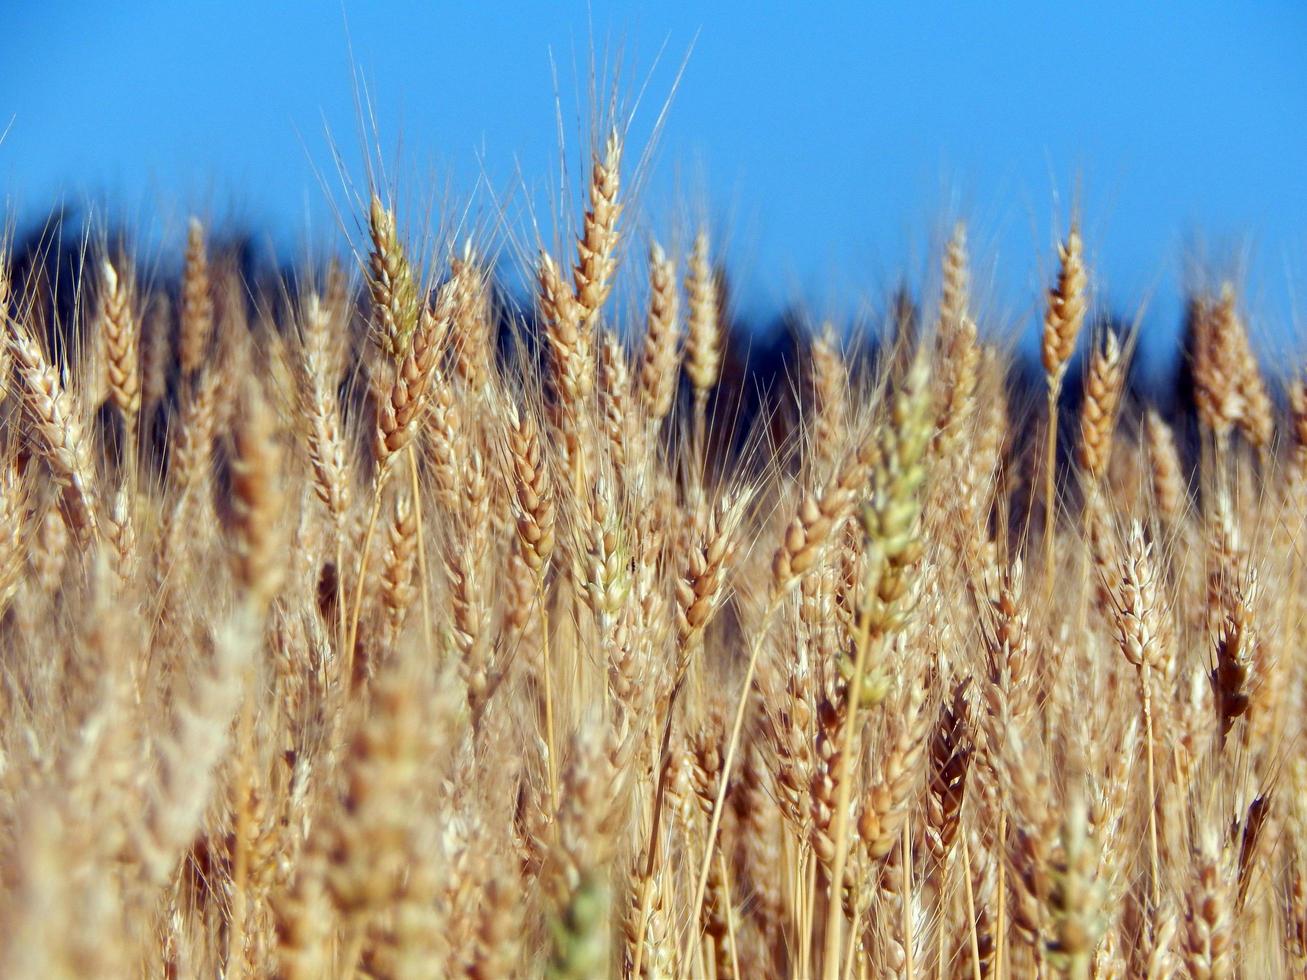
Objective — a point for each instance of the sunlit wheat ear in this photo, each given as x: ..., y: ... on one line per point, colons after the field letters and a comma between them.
x: 120, y: 533
x: 603, y: 572
x: 1219, y: 362
x: 190, y: 461
x: 465, y: 571
x: 56, y: 428
x: 1103, y: 388
x: 392, y: 283
x: 1298, y: 429
x: 533, y: 489
x: 1170, y: 487
x: 1064, y: 315
x: 304, y: 923
x: 699, y: 589
x: 447, y: 442
x: 118, y: 327
x: 1066, y: 309
x: 14, y: 503
x: 473, y: 322
x: 190, y: 750
x: 1207, y: 942
x: 499, y: 926
x: 363, y: 841
x: 957, y: 377
x: 618, y: 417
x: 1075, y: 898
x: 320, y: 417
x: 197, y: 302
x: 1139, y: 630
x: 1256, y: 414
x: 257, y: 500
x: 807, y: 535
x: 703, y: 344
x: 951, y: 751
x: 397, y: 589
x: 1233, y: 676
x: 830, y: 385
x: 576, y: 876
x: 817, y: 517
x: 885, y: 806
x: 660, y: 358
x: 597, y: 247
x: 403, y: 405
x: 957, y: 349
x: 571, y: 354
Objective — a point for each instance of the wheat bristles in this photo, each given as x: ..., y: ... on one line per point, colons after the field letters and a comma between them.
x: 810, y: 675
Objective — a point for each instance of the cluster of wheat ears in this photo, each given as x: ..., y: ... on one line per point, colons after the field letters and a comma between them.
x: 350, y: 631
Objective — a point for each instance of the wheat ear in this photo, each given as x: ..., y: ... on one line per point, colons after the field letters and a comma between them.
x: 1063, y: 318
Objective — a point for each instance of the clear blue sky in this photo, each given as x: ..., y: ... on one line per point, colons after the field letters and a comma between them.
x: 832, y: 142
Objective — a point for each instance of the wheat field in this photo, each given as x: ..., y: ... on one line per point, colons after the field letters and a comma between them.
x: 370, y: 623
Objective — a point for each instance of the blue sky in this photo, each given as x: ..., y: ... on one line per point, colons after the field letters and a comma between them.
x: 829, y: 144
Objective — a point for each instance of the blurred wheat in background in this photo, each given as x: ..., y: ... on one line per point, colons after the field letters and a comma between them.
x: 363, y: 622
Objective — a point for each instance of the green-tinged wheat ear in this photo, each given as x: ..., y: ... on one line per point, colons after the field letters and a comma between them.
x: 402, y: 406
x: 579, y: 933
x: 1075, y: 898
x: 890, y: 515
